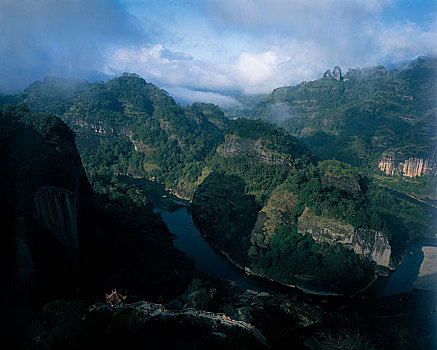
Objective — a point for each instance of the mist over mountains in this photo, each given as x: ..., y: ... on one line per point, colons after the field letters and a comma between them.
x: 206, y: 51
x: 218, y: 174
x: 327, y: 190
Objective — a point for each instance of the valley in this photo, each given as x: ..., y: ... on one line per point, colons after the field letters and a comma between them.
x: 115, y: 185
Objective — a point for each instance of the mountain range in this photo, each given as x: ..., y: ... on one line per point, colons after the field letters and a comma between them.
x: 305, y: 191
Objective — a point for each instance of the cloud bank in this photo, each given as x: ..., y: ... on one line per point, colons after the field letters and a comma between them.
x: 66, y: 38
x: 206, y: 50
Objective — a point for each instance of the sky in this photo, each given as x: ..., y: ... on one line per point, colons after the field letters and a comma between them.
x: 208, y: 50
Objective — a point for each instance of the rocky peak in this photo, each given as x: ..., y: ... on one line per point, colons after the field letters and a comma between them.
x: 336, y: 73
x: 327, y: 74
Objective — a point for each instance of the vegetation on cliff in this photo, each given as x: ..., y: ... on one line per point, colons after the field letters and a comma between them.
x: 128, y: 126
x: 117, y: 240
x: 372, y: 112
x: 142, y: 130
x: 246, y: 206
x: 228, y: 204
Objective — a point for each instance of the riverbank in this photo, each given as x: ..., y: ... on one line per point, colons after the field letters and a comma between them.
x: 418, y: 199
x: 247, y: 270
x: 177, y: 194
x: 190, y: 238
x: 427, y: 278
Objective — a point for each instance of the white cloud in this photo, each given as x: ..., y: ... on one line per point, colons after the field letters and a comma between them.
x: 52, y: 37
x: 291, y: 14
x: 256, y: 69
x: 155, y: 64
x: 251, y: 72
x: 281, y: 61
x: 251, y: 46
x: 404, y: 40
x: 184, y: 95
x: 286, y: 62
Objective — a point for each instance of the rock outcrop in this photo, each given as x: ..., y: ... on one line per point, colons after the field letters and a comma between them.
x: 99, y: 126
x: 178, y: 327
x: 344, y: 183
x: 371, y: 243
x: 107, y: 128
x: 327, y: 74
x: 336, y: 73
x: 411, y: 167
x: 51, y: 213
x: 235, y: 146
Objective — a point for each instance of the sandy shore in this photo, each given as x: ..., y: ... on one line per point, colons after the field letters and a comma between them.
x: 427, y: 278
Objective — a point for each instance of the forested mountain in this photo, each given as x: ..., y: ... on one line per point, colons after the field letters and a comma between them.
x: 257, y: 191
x: 259, y: 194
x: 62, y: 238
x: 376, y: 118
x: 128, y: 126
x: 269, y: 204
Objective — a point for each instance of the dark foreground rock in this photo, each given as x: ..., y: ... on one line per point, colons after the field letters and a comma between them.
x: 144, y: 325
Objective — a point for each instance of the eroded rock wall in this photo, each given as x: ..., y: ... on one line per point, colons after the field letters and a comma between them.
x: 99, y: 126
x: 363, y: 241
x: 411, y: 167
x: 235, y: 146
x: 344, y: 183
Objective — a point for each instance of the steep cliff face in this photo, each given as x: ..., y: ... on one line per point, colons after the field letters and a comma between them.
x: 50, y: 199
x: 99, y: 126
x: 56, y: 208
x: 235, y: 146
x: 411, y: 167
x: 368, y: 242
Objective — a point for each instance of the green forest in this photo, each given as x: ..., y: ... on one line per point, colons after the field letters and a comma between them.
x: 127, y: 126
x: 251, y: 185
x: 368, y: 114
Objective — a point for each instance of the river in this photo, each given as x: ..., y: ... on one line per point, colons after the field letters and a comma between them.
x: 177, y: 215
x: 191, y: 242
x: 418, y: 269
x: 207, y: 259
x: 408, y: 274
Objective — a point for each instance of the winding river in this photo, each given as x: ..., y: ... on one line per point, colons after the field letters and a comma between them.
x: 177, y: 215
x: 207, y: 259
x: 192, y: 243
